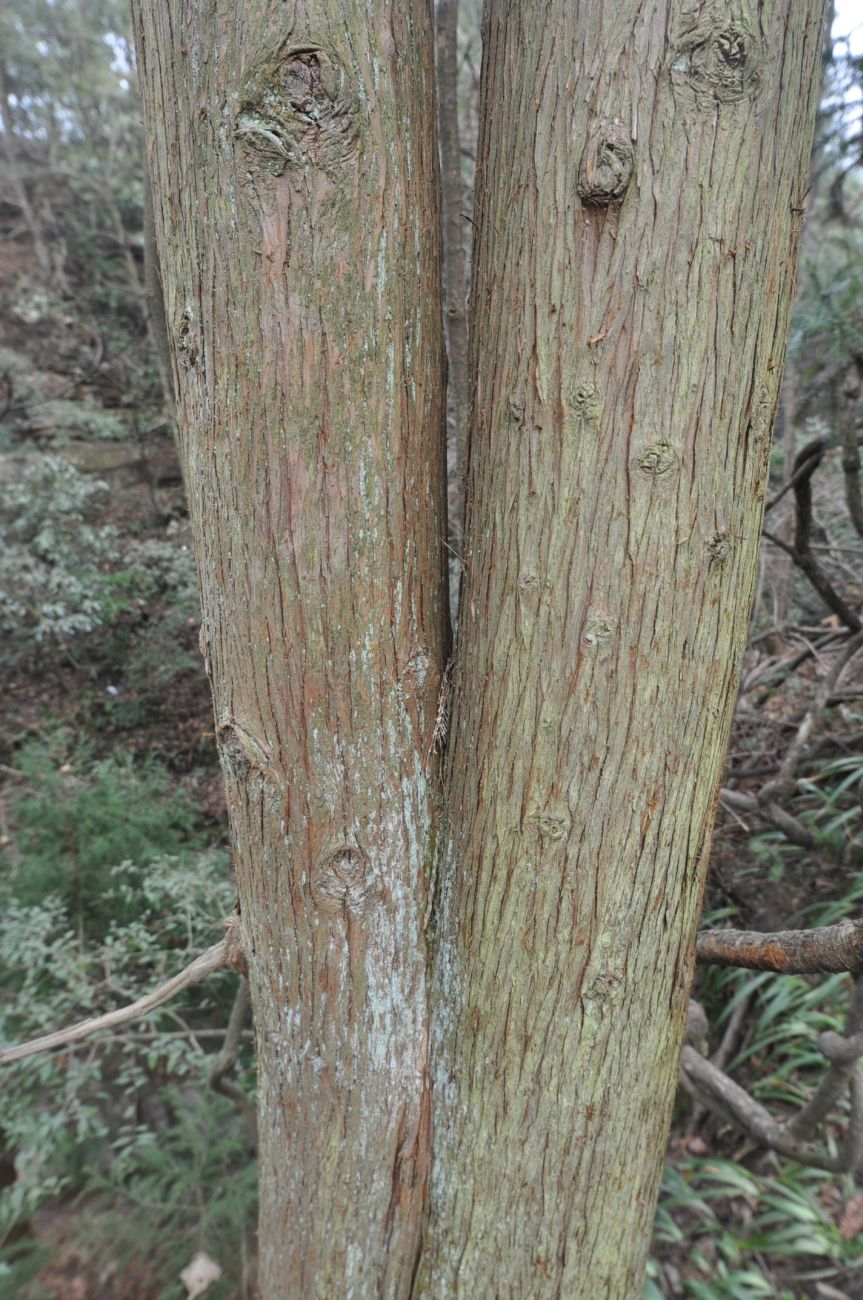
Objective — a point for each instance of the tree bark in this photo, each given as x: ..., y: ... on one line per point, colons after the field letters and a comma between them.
x: 640, y: 182
x: 294, y: 166
x: 454, y: 274
x: 157, y: 324
x: 641, y: 170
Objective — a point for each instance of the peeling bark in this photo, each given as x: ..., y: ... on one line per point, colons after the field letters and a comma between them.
x: 294, y: 167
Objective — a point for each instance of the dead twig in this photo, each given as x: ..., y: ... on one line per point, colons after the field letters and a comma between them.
x: 225, y: 953
x: 226, y: 1059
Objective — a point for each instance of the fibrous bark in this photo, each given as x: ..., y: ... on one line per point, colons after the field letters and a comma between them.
x: 641, y: 170
x: 454, y: 272
x: 293, y: 158
x: 640, y: 183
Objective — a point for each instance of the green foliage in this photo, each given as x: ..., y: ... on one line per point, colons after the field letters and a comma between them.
x: 76, y: 820
x: 51, y: 555
x: 194, y: 1185
x: 96, y: 1118
x: 66, y: 579
x: 163, y: 575
x: 827, y: 316
x: 76, y: 147
x: 730, y: 1218
x: 80, y: 419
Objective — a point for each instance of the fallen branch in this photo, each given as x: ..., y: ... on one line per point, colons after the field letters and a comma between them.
x: 225, y: 953
x: 814, y: 715
x: 720, y: 1094
x: 793, y: 1137
x: 839, y: 1051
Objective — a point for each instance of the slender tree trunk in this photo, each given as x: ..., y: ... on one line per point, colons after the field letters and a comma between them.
x: 294, y: 166
x: 640, y: 180
x: 783, y: 565
x: 19, y: 190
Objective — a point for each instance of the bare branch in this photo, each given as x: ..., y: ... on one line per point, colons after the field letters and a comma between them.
x: 719, y: 1093
x: 805, y: 1124
x: 820, y: 951
x: 851, y: 444
x: 813, y: 717
x: 224, y: 953
x: 790, y: 827
x: 801, y: 553
x: 226, y: 1059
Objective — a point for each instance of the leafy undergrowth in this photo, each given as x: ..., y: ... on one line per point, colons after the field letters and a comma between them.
x: 124, y: 1127
x: 734, y: 1222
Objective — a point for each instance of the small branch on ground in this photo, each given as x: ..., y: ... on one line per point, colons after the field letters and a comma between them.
x: 813, y: 717
x: 794, y: 1137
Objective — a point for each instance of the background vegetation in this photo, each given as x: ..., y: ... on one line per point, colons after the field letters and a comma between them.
x: 120, y: 1161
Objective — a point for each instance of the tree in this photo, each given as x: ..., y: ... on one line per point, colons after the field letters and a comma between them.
x: 641, y: 171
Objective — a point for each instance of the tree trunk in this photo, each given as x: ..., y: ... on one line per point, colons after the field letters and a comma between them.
x: 640, y: 181
x: 293, y: 157
x: 19, y: 189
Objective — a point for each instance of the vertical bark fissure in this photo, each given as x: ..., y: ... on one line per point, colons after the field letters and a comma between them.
x: 155, y: 300
x: 294, y: 166
x: 454, y: 274
x: 640, y: 175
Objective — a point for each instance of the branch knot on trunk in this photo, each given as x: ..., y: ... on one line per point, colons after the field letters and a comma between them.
x: 297, y: 111
x: 606, y: 165
x: 719, y: 60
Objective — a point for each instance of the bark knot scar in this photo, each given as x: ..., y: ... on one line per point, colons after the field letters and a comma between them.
x: 606, y: 165
x: 187, y: 341
x: 296, y: 110
x: 517, y: 407
x: 549, y: 826
x: 339, y: 880
x: 604, y: 986
x: 719, y: 548
x: 722, y: 60
x: 597, y: 632
x: 583, y: 409
x: 658, y: 460
x: 241, y: 753
x: 235, y: 957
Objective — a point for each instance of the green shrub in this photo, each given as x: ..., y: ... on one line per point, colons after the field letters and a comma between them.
x: 75, y: 819
x: 129, y: 1112
x: 52, y: 554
